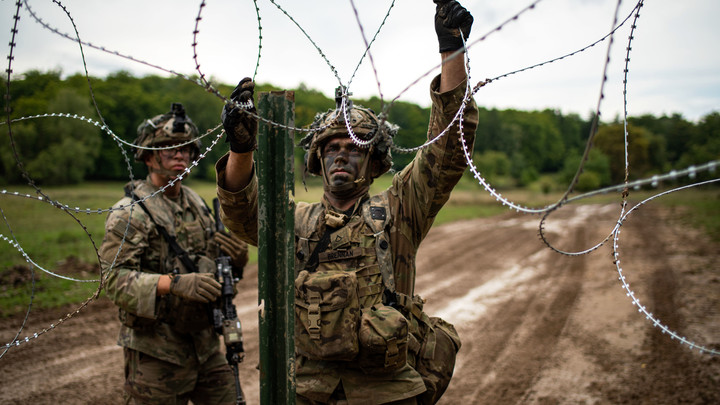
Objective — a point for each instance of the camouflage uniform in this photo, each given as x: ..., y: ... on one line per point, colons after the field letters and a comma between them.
x: 411, y: 204
x: 172, y: 338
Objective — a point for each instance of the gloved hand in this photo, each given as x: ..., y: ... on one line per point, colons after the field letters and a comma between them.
x: 232, y: 246
x: 241, y: 127
x: 200, y: 287
x: 450, y: 19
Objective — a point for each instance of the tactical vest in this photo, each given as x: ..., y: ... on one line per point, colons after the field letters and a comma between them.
x: 191, y: 236
x: 362, y: 246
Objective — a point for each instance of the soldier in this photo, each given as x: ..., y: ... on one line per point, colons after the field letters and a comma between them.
x: 160, y: 255
x: 361, y: 334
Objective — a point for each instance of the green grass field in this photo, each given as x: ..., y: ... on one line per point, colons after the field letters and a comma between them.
x: 49, y: 235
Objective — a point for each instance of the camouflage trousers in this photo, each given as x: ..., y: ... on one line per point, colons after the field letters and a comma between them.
x: 149, y: 380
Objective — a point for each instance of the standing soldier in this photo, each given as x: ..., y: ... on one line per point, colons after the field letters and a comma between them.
x: 361, y: 334
x: 161, y: 274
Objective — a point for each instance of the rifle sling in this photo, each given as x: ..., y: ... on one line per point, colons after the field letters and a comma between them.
x: 172, y: 241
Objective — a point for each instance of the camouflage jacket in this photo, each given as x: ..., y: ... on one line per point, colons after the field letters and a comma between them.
x: 138, y: 254
x: 415, y: 197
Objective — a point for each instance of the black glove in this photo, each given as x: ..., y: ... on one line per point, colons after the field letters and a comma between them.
x: 450, y: 19
x: 241, y: 127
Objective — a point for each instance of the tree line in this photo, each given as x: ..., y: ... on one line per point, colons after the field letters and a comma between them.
x: 513, y: 148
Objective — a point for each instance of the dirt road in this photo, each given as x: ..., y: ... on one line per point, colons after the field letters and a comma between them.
x: 537, y: 327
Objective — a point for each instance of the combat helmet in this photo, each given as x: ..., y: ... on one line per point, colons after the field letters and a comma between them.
x: 364, y: 123
x: 173, y: 127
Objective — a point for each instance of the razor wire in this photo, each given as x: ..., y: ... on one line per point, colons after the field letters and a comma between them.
x: 457, y: 120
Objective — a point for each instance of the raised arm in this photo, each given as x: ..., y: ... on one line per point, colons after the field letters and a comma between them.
x: 238, y: 171
x: 241, y: 129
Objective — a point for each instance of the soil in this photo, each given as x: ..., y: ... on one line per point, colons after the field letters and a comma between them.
x: 537, y: 327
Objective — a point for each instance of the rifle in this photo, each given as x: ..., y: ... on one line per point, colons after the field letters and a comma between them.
x: 225, y: 320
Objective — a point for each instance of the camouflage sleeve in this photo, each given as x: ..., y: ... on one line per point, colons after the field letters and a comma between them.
x: 128, y: 287
x: 424, y: 185
x: 238, y: 210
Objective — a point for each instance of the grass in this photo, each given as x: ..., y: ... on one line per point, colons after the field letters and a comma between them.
x: 49, y: 235
x: 698, y: 207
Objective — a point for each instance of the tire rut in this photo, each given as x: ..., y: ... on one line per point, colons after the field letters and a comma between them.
x: 670, y: 373
x: 518, y: 338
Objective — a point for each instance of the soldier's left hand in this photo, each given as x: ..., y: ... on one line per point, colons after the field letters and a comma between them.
x: 451, y: 18
x: 232, y: 246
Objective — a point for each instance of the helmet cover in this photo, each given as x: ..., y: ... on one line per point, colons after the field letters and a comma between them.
x: 171, y: 128
x: 364, y: 124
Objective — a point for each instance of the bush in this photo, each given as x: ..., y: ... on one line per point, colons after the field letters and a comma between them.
x: 588, y: 181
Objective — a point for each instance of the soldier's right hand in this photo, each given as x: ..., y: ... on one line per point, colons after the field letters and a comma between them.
x: 451, y: 18
x: 240, y: 126
x: 200, y: 287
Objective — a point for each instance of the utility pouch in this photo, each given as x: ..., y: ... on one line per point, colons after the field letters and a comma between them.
x: 436, y: 360
x: 383, y: 339
x: 327, y: 314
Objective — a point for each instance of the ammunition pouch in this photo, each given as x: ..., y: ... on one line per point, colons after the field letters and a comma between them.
x: 383, y: 340
x: 327, y: 315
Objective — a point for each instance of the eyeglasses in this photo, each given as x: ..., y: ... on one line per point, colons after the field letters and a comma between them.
x: 168, y: 153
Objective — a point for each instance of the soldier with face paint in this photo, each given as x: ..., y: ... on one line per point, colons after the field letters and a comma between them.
x: 159, y: 258
x: 361, y: 335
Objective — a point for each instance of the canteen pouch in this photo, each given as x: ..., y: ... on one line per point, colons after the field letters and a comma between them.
x: 383, y: 339
x: 436, y: 360
x: 327, y: 314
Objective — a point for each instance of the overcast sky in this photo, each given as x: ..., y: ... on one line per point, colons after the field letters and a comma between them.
x: 674, y: 62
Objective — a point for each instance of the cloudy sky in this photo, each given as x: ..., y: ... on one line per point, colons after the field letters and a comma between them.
x: 674, y: 63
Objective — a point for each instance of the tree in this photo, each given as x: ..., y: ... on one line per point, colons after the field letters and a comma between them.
x: 534, y: 143
x: 595, y: 174
x: 705, y: 146
x: 610, y: 141
x: 68, y: 146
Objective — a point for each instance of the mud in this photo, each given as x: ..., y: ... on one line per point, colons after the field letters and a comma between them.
x: 538, y: 327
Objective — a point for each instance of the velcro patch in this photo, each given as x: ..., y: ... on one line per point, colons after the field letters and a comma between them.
x: 340, y: 238
x: 120, y: 228
x: 377, y: 213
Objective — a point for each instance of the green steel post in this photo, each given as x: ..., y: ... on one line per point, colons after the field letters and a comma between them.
x: 276, y: 248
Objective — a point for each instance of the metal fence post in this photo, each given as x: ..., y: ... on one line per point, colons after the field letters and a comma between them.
x: 276, y: 247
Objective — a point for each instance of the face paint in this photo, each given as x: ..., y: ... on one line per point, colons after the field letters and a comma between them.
x: 342, y: 159
x: 344, y: 167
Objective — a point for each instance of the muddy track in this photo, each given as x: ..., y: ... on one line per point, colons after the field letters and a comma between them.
x: 537, y: 327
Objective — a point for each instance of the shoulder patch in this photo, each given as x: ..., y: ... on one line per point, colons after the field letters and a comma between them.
x: 121, y: 226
